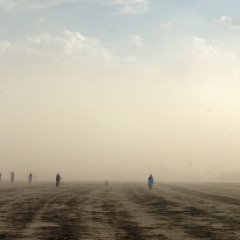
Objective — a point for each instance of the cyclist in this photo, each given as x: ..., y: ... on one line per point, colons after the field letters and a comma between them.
x: 12, y: 175
x: 30, y: 177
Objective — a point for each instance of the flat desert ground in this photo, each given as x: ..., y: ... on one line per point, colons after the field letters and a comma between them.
x: 119, y: 211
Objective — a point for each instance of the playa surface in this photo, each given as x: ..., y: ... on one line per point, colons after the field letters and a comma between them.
x: 119, y: 211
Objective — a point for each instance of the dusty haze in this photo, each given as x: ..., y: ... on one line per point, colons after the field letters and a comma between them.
x: 106, y: 100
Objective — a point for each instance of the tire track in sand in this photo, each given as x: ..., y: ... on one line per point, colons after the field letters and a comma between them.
x: 197, y: 223
x: 106, y: 216
x: 204, y: 195
x: 25, y: 216
x: 60, y: 218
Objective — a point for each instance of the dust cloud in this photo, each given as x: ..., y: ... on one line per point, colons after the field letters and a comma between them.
x: 179, y: 123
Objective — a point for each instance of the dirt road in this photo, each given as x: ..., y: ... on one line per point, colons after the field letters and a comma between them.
x: 119, y: 211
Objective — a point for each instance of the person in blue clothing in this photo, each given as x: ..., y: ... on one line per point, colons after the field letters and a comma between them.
x: 150, y: 181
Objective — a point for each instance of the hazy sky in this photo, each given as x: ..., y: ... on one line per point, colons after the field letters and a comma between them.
x: 119, y: 89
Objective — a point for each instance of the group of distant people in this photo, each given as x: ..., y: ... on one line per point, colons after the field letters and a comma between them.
x: 12, y: 175
x: 30, y: 176
x: 59, y: 178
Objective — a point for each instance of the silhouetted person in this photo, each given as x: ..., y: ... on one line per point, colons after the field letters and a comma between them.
x: 30, y: 177
x: 58, y: 179
x: 12, y: 175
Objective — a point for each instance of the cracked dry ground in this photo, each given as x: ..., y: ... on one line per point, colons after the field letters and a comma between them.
x: 119, y: 211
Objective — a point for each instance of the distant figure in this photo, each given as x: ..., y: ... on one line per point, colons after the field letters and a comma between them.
x: 106, y: 183
x: 0, y: 177
x: 58, y: 179
x: 150, y: 181
x: 12, y: 175
x: 30, y: 177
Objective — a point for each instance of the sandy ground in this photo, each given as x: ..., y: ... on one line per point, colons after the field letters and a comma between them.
x: 119, y: 211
